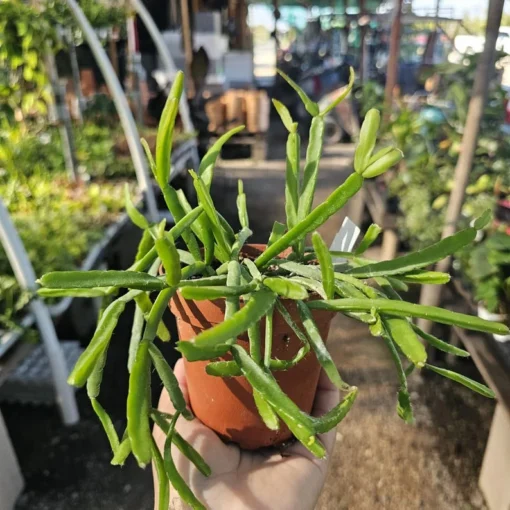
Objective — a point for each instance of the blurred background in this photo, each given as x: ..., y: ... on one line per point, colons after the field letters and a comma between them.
x: 81, y: 82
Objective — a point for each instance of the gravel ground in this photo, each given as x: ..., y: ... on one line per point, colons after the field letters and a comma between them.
x: 379, y: 462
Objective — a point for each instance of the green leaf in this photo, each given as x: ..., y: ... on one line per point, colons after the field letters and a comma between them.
x: 367, y: 140
x: 384, y: 160
x: 481, y: 222
x: 314, y: 220
x: 407, y: 263
x: 440, y: 344
x: 82, y: 293
x: 404, y: 407
x: 311, y: 107
x: 170, y: 258
x: 403, y: 309
x: 213, y: 339
x: 164, y: 138
x: 276, y: 233
x: 206, y: 168
x: 465, y: 381
x: 292, y: 186
x: 201, y: 228
x: 318, y: 346
x: 262, y: 381
x: 91, y: 279
x: 242, y: 209
x: 219, y: 291
x: 136, y: 336
x: 342, y: 95
x: 285, y: 287
x: 107, y: 424
x: 331, y: 419
x: 169, y: 382
x: 178, y: 483
x: 269, y: 417
x: 326, y: 264
x: 104, y: 331
x: 285, y: 115
x: 369, y: 238
x: 206, y: 202
x: 425, y: 277
x: 134, y: 214
x: 311, y: 170
x: 148, y: 155
x: 404, y: 336
x: 163, y: 483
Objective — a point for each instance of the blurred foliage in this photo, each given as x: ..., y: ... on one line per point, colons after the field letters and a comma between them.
x: 431, y: 137
x: 58, y: 222
x: 487, y: 266
x: 28, y: 31
x: 25, y: 36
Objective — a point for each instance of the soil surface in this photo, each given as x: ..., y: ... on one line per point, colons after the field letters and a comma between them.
x: 379, y: 462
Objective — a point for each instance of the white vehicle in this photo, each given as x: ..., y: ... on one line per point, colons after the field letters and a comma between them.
x: 503, y: 42
x: 471, y: 44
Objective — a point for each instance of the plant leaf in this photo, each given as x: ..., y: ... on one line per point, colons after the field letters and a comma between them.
x: 369, y: 238
x: 407, y: 263
x: 318, y: 346
x: 215, y: 339
x: 92, y: 279
x: 206, y: 168
x: 311, y: 107
x: 440, y: 344
x: 343, y: 94
x: 465, y: 381
x: 326, y: 264
x: 134, y: 214
x: 367, y: 140
x: 285, y: 115
x: 403, y: 309
x: 292, y: 177
x: 269, y: 417
x: 276, y: 233
x: 311, y: 170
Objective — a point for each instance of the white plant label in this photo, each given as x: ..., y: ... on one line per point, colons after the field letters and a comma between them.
x: 345, y: 239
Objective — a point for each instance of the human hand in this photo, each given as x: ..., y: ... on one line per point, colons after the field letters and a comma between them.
x: 250, y: 480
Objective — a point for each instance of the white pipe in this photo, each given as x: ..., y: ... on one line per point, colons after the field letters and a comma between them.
x: 25, y: 276
x: 125, y: 115
x: 166, y: 58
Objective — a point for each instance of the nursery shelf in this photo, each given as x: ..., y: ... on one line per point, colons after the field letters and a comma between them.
x: 492, y: 360
x: 9, y: 338
x: 95, y: 255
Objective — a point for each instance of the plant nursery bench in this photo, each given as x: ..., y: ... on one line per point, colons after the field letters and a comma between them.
x: 493, y: 361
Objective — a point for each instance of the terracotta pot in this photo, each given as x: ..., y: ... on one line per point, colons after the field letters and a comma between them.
x: 226, y: 404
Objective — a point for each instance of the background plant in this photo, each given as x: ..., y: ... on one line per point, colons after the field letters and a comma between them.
x: 213, y: 266
x: 487, y: 267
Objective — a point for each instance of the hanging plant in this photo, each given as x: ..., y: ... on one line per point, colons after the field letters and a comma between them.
x: 253, y: 319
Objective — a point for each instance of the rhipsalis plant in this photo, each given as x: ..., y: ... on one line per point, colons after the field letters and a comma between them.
x: 213, y: 266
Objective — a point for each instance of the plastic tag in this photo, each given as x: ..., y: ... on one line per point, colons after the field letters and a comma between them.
x: 345, y: 239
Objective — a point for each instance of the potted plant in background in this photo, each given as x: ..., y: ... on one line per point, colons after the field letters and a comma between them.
x: 488, y: 269
x: 255, y: 317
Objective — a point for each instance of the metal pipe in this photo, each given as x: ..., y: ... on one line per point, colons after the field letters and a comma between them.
x: 25, y: 276
x: 75, y: 70
x: 166, y: 58
x: 125, y: 115
x: 60, y: 115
